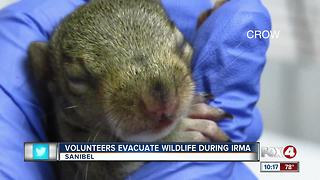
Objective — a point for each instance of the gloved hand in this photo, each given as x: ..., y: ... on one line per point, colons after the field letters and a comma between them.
x: 20, y: 113
x: 225, y: 63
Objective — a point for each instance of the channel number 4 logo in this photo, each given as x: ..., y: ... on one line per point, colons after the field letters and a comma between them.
x: 40, y: 151
x: 279, y: 152
x: 289, y: 152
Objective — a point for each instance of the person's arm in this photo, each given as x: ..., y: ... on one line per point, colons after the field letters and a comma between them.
x: 20, y: 113
x: 228, y: 64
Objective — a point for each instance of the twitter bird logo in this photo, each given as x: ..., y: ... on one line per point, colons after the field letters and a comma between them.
x: 40, y: 151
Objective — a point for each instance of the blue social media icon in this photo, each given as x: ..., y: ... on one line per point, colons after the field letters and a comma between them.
x: 40, y: 151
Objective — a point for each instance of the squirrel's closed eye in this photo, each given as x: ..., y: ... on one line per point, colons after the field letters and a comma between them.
x: 77, y: 77
x: 78, y: 86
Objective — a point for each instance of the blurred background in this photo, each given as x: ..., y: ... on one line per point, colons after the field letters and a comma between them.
x: 290, y: 93
x: 290, y: 87
x: 4, y: 3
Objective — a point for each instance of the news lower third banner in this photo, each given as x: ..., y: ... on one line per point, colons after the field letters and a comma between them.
x: 141, y: 151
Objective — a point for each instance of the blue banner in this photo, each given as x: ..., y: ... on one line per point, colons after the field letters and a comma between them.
x: 159, y: 147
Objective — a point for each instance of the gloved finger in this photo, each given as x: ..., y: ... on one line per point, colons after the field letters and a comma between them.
x: 208, y: 128
x: 204, y: 111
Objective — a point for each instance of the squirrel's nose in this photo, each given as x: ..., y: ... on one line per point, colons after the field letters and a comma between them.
x: 160, y: 101
x: 161, y: 111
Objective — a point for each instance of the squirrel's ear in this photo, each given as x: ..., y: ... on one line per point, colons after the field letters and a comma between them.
x: 38, y: 58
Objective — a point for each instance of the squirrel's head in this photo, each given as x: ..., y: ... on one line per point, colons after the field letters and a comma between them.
x: 132, y: 78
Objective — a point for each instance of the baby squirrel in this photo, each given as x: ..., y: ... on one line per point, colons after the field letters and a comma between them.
x: 115, y: 70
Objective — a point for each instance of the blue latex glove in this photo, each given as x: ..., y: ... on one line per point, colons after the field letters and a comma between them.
x: 20, y: 113
x: 226, y: 63
x: 222, y: 66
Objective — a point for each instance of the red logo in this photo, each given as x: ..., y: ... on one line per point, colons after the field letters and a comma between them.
x: 289, y: 152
